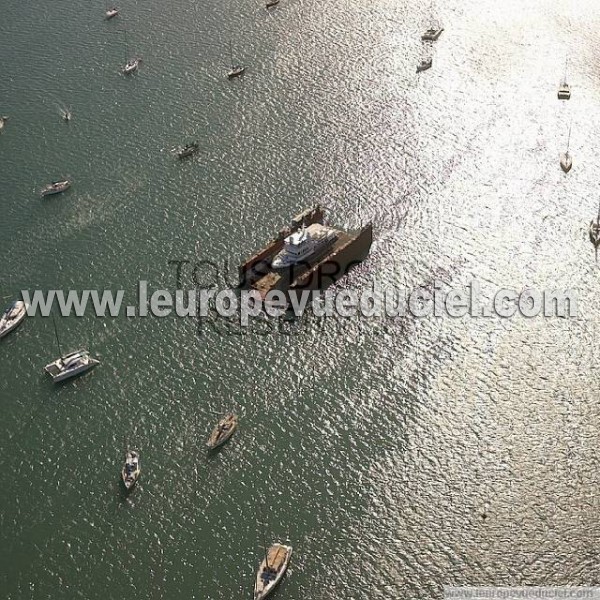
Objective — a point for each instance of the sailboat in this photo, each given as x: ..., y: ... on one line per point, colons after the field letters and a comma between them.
x: 595, y: 230
x: 12, y: 316
x: 2, y: 123
x: 271, y: 570
x: 222, y: 431
x: 564, y: 91
x: 236, y: 70
x: 426, y: 59
x: 66, y: 114
x: 132, y: 64
x: 566, y: 161
x: 130, y: 473
x: 434, y: 31
x: 69, y: 365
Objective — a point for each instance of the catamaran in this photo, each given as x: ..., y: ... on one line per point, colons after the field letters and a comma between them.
x: 12, y: 316
x: 271, y: 570
x: 131, y: 469
x: 56, y: 187
x: 303, y: 245
x: 566, y: 161
x: 564, y: 91
x: 223, y: 430
x: 69, y: 365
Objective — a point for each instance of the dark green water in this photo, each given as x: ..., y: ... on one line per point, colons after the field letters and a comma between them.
x: 376, y: 451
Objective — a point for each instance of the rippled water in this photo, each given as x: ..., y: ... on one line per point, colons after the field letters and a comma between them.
x: 396, y: 459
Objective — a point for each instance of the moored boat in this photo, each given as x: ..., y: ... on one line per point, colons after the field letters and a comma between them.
x: 223, y: 430
x: 424, y: 64
x: 271, y: 570
x: 131, y: 469
x: 12, y: 317
x: 188, y: 150
x: 595, y: 231
x: 236, y: 70
x: 564, y: 91
x: 432, y: 34
x: 566, y: 162
x: 131, y: 66
x: 56, y: 187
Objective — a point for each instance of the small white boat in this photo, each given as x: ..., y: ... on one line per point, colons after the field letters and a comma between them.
x: 12, y: 316
x: 271, y: 570
x: 132, y: 66
x: 271, y: 3
x: 70, y: 365
x: 131, y: 469
x: 224, y: 429
x: 424, y: 64
x: 111, y: 12
x: 56, y: 187
x: 66, y: 114
x: 3, y: 122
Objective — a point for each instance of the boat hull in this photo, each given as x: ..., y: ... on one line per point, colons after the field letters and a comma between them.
x: 236, y: 72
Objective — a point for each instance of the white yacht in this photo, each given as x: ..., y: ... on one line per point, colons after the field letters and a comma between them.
x: 271, y: 570
x: 12, y: 316
x: 304, y: 244
x: 70, y: 365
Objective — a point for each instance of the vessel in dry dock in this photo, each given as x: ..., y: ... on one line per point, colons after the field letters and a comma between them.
x: 308, y: 254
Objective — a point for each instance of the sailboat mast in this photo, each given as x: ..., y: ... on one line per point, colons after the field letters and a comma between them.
x: 56, y: 335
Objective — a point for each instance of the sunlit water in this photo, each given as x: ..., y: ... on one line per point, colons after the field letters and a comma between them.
x: 396, y: 458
